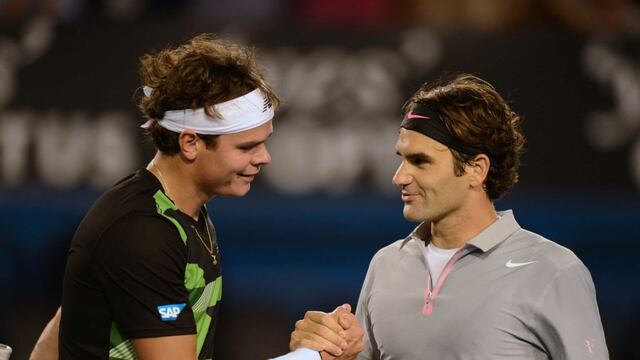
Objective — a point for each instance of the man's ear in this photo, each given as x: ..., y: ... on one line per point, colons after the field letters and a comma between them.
x: 189, y: 144
x: 478, y: 169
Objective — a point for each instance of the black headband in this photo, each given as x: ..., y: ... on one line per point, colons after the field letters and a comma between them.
x: 428, y: 122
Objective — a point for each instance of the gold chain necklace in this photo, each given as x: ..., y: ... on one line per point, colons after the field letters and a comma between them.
x: 209, y: 248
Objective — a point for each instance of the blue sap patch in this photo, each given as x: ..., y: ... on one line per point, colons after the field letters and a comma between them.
x: 170, y: 312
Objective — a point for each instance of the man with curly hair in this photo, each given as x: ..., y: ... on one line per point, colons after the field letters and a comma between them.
x: 143, y: 277
x: 468, y: 282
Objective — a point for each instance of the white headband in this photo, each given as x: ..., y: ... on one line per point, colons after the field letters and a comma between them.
x: 242, y: 113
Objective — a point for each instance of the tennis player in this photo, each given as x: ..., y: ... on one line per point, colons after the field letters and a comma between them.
x: 143, y: 277
x: 469, y: 282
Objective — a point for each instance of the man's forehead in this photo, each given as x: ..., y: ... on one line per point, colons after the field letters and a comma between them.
x: 259, y: 133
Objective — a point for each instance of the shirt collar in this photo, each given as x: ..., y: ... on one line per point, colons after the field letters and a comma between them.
x: 497, y: 232
x: 486, y: 240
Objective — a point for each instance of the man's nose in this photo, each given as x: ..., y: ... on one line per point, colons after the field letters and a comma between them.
x: 401, y: 177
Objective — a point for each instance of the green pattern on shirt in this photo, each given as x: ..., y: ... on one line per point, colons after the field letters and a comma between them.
x: 202, y: 296
x: 120, y: 349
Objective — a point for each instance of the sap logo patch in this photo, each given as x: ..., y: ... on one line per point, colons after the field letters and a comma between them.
x: 170, y: 312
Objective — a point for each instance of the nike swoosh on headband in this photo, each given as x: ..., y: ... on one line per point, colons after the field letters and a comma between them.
x: 435, y: 128
x: 411, y: 115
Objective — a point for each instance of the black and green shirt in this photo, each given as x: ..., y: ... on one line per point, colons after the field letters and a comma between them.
x: 138, y: 267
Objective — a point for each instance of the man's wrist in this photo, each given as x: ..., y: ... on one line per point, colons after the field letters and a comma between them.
x: 301, y: 354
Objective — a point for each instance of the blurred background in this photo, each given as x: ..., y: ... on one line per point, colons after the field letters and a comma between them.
x: 303, y: 237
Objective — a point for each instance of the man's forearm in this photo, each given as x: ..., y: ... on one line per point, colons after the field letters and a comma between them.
x: 47, y: 346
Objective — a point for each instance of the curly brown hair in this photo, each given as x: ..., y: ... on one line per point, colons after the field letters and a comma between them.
x: 477, y: 115
x: 200, y: 73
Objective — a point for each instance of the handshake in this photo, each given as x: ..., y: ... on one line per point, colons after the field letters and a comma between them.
x: 336, y: 335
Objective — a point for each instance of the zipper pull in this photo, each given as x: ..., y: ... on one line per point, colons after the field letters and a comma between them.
x: 427, y: 308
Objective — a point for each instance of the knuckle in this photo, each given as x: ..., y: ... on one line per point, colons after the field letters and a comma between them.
x: 311, y: 327
x: 325, y: 320
x: 308, y: 314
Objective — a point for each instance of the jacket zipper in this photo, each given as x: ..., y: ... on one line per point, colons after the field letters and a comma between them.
x: 431, y: 295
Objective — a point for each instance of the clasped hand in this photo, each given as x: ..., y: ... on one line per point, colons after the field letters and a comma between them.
x: 336, y: 335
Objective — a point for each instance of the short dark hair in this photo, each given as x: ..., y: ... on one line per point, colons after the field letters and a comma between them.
x: 201, y: 73
x: 477, y: 115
